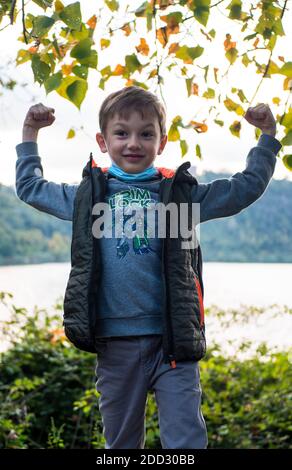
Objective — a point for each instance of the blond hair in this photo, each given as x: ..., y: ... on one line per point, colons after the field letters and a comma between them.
x: 129, y: 99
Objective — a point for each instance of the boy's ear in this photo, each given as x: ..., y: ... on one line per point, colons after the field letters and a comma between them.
x: 162, y: 144
x: 101, y: 142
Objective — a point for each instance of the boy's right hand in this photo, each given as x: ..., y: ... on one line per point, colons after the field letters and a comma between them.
x: 38, y: 116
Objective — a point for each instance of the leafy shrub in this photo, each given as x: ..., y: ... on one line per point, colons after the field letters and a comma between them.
x: 48, y: 396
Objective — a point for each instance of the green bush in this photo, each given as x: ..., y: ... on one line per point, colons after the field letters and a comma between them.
x: 48, y: 396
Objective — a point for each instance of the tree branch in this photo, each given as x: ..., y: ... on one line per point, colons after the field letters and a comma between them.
x: 23, y: 24
x: 11, y: 13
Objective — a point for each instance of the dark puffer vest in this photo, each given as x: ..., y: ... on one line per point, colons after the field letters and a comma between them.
x: 183, y: 312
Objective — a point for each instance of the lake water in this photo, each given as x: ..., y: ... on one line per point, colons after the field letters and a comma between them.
x: 227, y: 285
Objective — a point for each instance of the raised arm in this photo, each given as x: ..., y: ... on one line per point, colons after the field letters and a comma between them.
x: 228, y: 196
x: 31, y: 187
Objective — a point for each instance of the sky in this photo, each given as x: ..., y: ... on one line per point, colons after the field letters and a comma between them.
x: 63, y: 159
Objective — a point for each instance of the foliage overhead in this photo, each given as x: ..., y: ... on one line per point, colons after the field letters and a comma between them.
x: 62, y: 47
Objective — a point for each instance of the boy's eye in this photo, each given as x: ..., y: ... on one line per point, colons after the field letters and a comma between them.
x: 147, y: 134
x: 144, y: 134
x: 119, y: 132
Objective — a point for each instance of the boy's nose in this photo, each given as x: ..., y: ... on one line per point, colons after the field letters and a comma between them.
x: 134, y: 143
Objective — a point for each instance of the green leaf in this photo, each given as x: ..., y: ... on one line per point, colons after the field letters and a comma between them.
x: 82, y: 49
x: 44, y: 3
x: 183, y: 147
x: 245, y: 60
x: 142, y: 9
x: 113, y: 5
x: 189, y: 82
x: 235, y: 128
x: 84, y: 54
x: 232, y: 106
x: 209, y: 94
x: 22, y: 56
x: 40, y: 69
x: 76, y: 92
x: 286, y: 69
x: 250, y: 36
x: 287, y: 160
x: 53, y: 82
x: 41, y: 25
x: 81, y: 71
x: 201, y: 11
x: 212, y: 33
x: 287, y: 119
x: 220, y: 123
x: 231, y: 54
x: 173, y: 133
x: 106, y: 71
x: 242, y: 96
x: 198, y: 151
x: 287, y: 140
x: 71, y: 15
x: 149, y: 20
x: 206, y: 72
x: 81, y: 33
x: 132, y: 63
x: 186, y: 53
x: 235, y: 9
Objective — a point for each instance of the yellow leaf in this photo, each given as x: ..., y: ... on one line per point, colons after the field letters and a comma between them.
x: 173, y: 133
x: 276, y: 100
x: 71, y: 134
x: 58, y: 6
x: 153, y: 73
x: 129, y: 82
x: 104, y: 43
x: 287, y: 84
x: 67, y: 68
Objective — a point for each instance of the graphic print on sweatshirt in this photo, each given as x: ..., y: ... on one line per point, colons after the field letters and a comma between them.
x: 130, y: 204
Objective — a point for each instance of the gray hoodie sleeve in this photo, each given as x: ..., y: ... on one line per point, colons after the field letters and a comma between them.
x: 32, y: 188
x: 228, y: 196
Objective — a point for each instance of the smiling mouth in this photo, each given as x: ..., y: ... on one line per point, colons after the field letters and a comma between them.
x: 133, y: 157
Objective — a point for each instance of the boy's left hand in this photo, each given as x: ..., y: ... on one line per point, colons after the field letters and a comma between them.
x: 261, y: 116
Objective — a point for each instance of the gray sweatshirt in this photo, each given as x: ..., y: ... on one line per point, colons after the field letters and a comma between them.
x: 130, y: 300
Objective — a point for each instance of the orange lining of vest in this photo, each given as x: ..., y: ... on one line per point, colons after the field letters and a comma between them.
x: 201, y: 304
x: 166, y: 172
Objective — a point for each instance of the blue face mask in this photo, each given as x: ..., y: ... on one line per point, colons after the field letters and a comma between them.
x: 115, y: 170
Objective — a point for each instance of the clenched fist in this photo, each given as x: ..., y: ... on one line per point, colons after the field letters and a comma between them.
x: 261, y: 116
x: 38, y: 116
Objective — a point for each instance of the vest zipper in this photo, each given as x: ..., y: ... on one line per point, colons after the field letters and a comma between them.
x: 170, y: 353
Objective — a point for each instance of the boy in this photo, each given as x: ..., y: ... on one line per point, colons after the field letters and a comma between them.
x: 144, y: 314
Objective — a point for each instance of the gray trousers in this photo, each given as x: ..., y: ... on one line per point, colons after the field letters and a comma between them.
x: 127, y: 368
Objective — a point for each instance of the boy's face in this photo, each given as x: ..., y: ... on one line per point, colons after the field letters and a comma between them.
x: 132, y: 143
